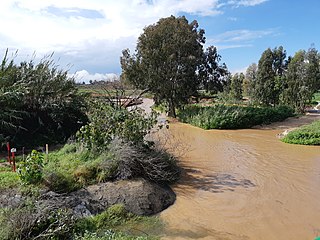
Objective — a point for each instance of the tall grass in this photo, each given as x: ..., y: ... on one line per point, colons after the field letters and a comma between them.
x: 9, y: 180
x: 232, y: 117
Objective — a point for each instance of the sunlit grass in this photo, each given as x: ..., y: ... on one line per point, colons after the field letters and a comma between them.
x: 306, y: 135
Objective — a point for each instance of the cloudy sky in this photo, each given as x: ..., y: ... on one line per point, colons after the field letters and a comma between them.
x: 87, y: 36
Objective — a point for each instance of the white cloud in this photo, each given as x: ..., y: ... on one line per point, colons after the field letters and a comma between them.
x: 241, y: 35
x: 233, y: 19
x: 90, y: 33
x: 85, y: 76
x: 223, y: 47
x: 60, y: 24
x: 246, y: 3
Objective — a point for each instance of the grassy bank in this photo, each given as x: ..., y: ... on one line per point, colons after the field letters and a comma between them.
x: 71, y: 168
x: 115, y: 223
x: 232, y: 117
x: 306, y: 135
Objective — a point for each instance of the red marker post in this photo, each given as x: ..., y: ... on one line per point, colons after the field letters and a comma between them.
x: 8, y: 148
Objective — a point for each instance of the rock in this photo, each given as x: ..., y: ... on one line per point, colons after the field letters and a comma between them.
x: 139, y: 196
x: 10, y: 198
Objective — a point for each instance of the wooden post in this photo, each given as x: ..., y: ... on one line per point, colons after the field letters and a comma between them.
x: 47, y: 152
x: 23, y: 153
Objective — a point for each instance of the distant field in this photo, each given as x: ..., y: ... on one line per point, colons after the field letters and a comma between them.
x: 98, y: 90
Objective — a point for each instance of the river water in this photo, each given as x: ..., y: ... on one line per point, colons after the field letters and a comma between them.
x: 243, y: 184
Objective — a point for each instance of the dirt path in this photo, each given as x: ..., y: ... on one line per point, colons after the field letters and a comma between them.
x: 291, y: 123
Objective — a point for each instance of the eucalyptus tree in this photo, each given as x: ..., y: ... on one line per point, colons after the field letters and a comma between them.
x: 236, y: 91
x: 302, y: 79
x: 250, y: 80
x: 169, y: 61
x: 270, y: 76
x: 214, y: 75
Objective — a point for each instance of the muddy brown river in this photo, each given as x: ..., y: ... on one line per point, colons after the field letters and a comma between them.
x: 243, y: 184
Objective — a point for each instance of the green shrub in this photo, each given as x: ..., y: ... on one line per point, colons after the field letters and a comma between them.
x: 69, y: 169
x: 108, y: 122
x: 306, y: 135
x: 58, y: 181
x: 30, y: 170
x: 232, y: 117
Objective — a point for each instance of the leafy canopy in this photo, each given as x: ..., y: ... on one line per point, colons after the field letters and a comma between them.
x: 170, y: 62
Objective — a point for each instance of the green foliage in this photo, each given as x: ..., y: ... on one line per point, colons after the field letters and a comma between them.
x: 117, y: 223
x: 316, y: 98
x: 60, y: 173
x: 291, y: 81
x: 168, y: 56
x: 107, y: 123
x: 232, y: 117
x: 236, y: 86
x: 302, y: 79
x: 269, y: 83
x: 5, y: 168
x: 9, y: 180
x: 250, y: 81
x: 39, y: 103
x: 306, y: 135
x: 30, y: 170
x: 214, y: 76
x: 68, y: 170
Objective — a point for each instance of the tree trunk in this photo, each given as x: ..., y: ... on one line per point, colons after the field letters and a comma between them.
x: 172, y: 109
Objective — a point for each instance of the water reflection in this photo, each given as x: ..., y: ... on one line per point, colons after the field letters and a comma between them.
x: 215, y: 183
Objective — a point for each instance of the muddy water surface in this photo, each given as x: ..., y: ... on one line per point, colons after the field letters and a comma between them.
x: 244, y: 184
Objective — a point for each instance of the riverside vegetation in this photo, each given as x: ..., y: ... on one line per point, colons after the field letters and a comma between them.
x: 108, y: 144
x: 306, y: 135
x: 176, y: 71
x: 232, y: 117
x: 110, y: 147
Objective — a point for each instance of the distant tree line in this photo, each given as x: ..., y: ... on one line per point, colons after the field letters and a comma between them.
x: 278, y: 79
x: 170, y: 61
